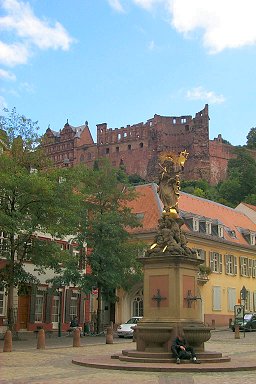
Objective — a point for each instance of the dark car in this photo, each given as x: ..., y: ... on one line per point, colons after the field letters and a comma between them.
x: 248, y: 323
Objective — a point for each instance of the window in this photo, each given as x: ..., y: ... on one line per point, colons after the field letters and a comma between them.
x: 137, y: 305
x: 231, y: 299
x: 117, y: 149
x: 74, y: 304
x: 107, y: 150
x: 220, y: 231
x: 252, y: 238
x: 39, y: 308
x: 195, y: 224
x: 216, y: 262
x: 216, y: 298
x: 208, y: 227
x: 244, y: 266
x: 254, y: 268
x: 3, y: 243
x: 55, y: 309
x: 2, y: 301
x: 183, y: 120
x: 141, y: 145
x: 174, y: 121
x: 129, y: 147
x: 231, y: 264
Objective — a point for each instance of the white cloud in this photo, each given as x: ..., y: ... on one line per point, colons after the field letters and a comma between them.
x: 223, y: 23
x: 7, y: 75
x: 199, y: 93
x: 29, y: 31
x: 116, y: 5
x: 13, y: 54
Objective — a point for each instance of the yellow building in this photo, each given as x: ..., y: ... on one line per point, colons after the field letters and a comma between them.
x: 224, y: 239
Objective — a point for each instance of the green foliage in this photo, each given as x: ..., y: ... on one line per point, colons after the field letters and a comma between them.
x: 136, y: 179
x: 32, y: 202
x: 251, y: 139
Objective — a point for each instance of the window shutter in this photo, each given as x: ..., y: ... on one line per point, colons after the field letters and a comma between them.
x: 249, y: 267
x: 211, y: 261
x: 67, y: 305
x: 216, y: 299
x: 226, y: 264
x: 235, y: 265
x: 32, y: 304
x: 48, y: 307
x: 231, y: 299
x: 241, y: 267
x: 254, y: 301
x: 220, y: 262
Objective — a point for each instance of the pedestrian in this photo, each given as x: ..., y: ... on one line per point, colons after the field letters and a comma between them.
x: 182, y: 351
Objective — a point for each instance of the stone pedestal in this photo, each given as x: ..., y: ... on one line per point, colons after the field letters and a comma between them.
x: 170, y: 303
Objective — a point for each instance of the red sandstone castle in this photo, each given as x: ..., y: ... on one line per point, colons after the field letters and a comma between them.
x: 136, y: 147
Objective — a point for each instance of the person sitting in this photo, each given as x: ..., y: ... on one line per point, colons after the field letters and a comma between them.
x: 74, y: 324
x: 182, y: 351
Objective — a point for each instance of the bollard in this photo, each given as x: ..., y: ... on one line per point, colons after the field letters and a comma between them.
x: 41, y: 339
x: 7, y: 341
x: 109, y: 335
x: 76, y: 337
x: 237, y: 333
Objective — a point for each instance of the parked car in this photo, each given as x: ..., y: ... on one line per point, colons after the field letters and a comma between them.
x: 125, y: 330
x: 248, y: 323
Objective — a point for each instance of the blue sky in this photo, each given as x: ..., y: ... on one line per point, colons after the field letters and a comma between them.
x: 122, y: 61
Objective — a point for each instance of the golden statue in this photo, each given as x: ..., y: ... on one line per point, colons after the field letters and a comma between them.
x: 171, y: 165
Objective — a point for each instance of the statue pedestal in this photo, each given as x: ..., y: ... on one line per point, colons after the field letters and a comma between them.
x: 171, y: 303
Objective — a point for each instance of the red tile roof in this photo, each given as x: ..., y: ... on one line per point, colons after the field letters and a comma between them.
x: 149, y: 206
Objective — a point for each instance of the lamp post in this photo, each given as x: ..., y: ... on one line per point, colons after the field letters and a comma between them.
x: 243, y: 296
x: 60, y: 312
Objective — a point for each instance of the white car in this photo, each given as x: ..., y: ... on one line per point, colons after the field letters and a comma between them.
x: 125, y: 330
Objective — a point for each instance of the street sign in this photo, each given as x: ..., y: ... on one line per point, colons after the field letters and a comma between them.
x: 239, y: 310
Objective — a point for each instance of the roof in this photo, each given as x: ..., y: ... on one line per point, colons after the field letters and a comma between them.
x: 149, y: 207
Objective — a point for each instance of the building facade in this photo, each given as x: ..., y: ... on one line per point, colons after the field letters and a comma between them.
x: 137, y: 147
x: 224, y: 239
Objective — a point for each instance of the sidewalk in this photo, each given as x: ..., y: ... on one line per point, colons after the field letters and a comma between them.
x: 27, y: 365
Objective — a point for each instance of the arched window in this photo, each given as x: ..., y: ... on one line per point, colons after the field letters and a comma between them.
x: 137, y: 304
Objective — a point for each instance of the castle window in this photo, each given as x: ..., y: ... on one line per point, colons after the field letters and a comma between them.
x: 216, y: 262
x: 174, y: 121
x: 119, y: 136
x: 183, y: 120
x: 129, y: 147
x: 117, y: 149
x: 82, y: 159
x: 141, y: 145
x: 125, y: 134
x: 107, y: 150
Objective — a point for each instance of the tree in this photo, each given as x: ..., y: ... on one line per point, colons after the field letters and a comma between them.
x: 113, y: 259
x: 251, y: 139
x: 32, y: 199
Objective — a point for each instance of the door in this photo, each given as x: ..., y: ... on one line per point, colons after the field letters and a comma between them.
x: 23, y: 305
x: 55, y: 312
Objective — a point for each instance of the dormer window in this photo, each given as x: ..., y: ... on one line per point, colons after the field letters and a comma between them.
x: 195, y: 224
x: 252, y: 238
x: 208, y: 227
x: 220, y: 231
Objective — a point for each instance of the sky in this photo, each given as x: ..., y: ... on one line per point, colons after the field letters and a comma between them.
x: 121, y: 62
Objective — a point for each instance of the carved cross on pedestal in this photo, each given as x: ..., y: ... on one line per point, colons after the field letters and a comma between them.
x: 158, y: 298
